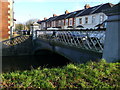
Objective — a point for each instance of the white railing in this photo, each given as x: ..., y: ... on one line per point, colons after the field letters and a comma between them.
x: 90, y: 39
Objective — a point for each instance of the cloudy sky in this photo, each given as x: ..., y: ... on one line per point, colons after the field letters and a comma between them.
x: 38, y: 9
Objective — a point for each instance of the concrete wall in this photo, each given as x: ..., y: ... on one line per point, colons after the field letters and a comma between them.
x: 112, y: 42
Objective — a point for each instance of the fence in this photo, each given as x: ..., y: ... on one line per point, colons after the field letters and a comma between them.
x: 90, y: 39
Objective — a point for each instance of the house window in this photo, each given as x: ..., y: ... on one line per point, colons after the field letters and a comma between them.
x: 101, y: 18
x: 86, y: 20
x: 66, y: 22
x: 80, y: 21
x: 62, y: 23
x: 70, y: 22
x: 44, y: 24
x: 52, y: 24
x: 93, y: 19
x: 59, y: 23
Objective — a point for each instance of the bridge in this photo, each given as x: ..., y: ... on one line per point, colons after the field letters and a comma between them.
x: 76, y: 45
x: 83, y: 45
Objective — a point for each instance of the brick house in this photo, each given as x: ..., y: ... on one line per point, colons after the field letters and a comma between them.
x: 6, y: 18
x: 89, y: 17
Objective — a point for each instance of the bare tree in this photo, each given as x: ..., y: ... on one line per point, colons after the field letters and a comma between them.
x: 29, y: 22
x: 19, y: 27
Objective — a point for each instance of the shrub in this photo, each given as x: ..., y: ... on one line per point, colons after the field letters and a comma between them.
x: 90, y: 75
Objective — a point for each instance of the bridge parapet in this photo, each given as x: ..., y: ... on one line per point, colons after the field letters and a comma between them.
x: 112, y: 43
x: 15, y: 40
x: 89, y: 39
x: 17, y: 46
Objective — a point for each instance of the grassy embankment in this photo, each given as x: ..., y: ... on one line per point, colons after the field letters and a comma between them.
x: 89, y: 75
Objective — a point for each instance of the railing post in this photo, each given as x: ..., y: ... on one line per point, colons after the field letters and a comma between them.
x: 111, y: 50
x: 34, y: 27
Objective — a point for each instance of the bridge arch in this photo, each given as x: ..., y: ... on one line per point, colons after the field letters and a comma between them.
x: 50, y: 58
x: 42, y: 51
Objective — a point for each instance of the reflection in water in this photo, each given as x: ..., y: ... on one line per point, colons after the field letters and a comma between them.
x: 28, y: 62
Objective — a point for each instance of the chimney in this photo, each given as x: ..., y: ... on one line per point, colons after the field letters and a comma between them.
x: 39, y: 20
x: 66, y: 12
x: 45, y: 18
x: 54, y: 15
x: 87, y: 6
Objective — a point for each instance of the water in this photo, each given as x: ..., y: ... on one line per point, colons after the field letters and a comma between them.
x: 48, y: 60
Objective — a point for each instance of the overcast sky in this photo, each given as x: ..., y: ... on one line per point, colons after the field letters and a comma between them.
x: 38, y: 9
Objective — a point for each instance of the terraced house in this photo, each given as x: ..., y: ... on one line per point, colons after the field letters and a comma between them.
x: 6, y: 18
x: 89, y: 17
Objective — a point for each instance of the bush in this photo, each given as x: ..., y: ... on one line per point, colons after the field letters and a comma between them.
x: 90, y: 75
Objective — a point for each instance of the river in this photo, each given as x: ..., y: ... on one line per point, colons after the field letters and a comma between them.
x: 13, y: 63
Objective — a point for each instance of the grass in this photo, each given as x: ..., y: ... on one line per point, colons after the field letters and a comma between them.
x: 89, y: 75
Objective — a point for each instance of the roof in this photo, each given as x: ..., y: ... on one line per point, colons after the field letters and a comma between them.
x: 103, y: 7
x: 51, y: 19
x: 73, y: 14
x: 115, y: 10
x: 88, y: 11
x: 95, y: 9
x: 39, y: 22
x: 63, y: 16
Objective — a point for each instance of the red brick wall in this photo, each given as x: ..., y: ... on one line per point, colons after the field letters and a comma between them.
x: 0, y: 20
x: 4, y: 19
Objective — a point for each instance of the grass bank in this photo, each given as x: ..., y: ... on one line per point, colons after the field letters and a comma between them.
x: 89, y: 75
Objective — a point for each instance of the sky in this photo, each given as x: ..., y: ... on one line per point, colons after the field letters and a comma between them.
x: 38, y: 9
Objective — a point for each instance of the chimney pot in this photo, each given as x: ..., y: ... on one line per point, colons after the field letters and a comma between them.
x: 45, y: 18
x: 66, y: 12
x: 39, y: 20
x: 54, y: 15
x: 87, y: 6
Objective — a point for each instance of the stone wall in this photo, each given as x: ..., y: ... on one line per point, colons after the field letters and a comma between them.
x: 21, y: 45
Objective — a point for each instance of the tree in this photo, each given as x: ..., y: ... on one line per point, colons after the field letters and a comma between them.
x: 29, y: 22
x: 19, y: 27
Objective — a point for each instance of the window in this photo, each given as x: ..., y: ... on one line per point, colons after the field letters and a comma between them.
x: 80, y: 21
x: 59, y: 23
x: 101, y: 18
x: 62, y: 23
x: 66, y: 23
x: 43, y: 24
x: 52, y: 24
x: 93, y: 19
x: 86, y: 20
x: 70, y: 22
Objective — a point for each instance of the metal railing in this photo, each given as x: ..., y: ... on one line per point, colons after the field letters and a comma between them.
x: 90, y: 39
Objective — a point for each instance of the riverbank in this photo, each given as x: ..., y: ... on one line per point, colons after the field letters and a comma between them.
x: 89, y: 75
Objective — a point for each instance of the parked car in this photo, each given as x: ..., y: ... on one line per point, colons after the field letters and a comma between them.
x: 98, y: 39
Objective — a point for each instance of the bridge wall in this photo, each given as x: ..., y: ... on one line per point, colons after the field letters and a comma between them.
x: 80, y: 56
x: 73, y: 54
x: 20, y: 46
